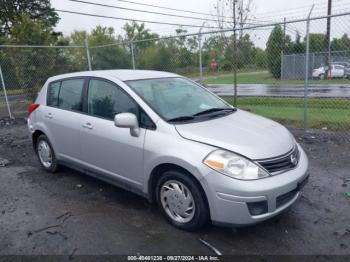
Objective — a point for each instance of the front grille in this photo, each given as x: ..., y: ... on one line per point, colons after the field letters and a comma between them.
x: 281, y: 163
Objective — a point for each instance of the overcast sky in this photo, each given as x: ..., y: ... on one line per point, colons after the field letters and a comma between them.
x: 264, y: 10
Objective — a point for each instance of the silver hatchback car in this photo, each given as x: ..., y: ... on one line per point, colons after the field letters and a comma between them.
x: 170, y: 140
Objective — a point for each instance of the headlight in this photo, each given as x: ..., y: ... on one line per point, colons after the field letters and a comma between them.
x: 233, y: 165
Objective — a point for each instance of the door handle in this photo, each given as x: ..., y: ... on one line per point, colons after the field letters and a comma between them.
x: 87, y: 125
x: 48, y: 115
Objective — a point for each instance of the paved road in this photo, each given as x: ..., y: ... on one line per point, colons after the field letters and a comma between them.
x: 70, y: 213
x: 332, y: 90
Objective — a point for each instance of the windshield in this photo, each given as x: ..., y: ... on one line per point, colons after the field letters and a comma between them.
x: 177, y: 98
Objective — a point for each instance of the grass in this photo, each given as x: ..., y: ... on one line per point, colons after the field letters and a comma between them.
x: 264, y: 77
x: 18, y: 91
x: 213, y: 74
x: 331, y: 113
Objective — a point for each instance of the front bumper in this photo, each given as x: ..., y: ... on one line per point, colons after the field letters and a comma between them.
x: 229, y: 198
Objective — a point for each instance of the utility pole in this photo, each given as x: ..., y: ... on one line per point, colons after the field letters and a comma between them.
x: 283, y: 48
x: 328, y: 38
x: 240, y: 11
x: 284, y: 35
x: 234, y: 54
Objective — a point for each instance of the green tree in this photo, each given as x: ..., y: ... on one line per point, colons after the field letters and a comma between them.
x: 137, y: 32
x: 186, y: 49
x: 76, y: 57
x: 317, y: 42
x: 298, y: 45
x: 27, y: 31
x: 274, y: 49
x: 28, y: 68
x: 157, y: 57
x: 37, y: 10
x: 341, y: 44
x: 213, y: 49
x: 259, y: 57
x: 245, y: 51
x: 111, y: 57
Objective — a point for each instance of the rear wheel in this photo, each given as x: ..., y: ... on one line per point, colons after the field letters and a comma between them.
x: 181, y: 200
x: 321, y: 76
x: 46, y: 154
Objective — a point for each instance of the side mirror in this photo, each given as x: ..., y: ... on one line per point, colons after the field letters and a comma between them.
x: 127, y: 120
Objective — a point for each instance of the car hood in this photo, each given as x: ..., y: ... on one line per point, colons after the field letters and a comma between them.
x: 244, y: 133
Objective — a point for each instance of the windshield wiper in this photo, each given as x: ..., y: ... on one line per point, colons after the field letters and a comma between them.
x: 215, y: 109
x: 181, y: 119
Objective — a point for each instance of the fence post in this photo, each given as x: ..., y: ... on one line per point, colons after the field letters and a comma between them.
x: 132, y: 54
x: 200, y: 53
x: 200, y: 58
x: 86, y: 45
x: 5, y: 94
x: 235, y: 68
x: 306, y: 86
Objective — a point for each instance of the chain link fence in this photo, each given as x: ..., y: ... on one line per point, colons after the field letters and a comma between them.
x: 26, y: 68
x: 286, y: 71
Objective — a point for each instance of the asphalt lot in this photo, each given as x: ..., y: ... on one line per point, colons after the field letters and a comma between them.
x: 70, y: 213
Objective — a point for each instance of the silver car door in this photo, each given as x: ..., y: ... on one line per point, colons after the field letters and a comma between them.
x: 105, y: 147
x: 62, y: 116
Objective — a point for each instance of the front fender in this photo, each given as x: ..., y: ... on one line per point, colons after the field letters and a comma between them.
x: 164, y: 149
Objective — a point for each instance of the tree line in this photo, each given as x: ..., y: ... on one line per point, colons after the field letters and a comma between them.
x: 32, y: 22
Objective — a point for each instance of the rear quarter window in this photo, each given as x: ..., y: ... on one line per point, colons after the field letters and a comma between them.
x: 70, y: 94
x: 52, y: 94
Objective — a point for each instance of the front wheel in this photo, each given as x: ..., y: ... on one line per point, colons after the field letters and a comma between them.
x: 181, y: 200
x: 321, y: 76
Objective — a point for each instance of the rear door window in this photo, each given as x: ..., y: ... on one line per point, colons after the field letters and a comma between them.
x: 106, y: 100
x: 70, y: 94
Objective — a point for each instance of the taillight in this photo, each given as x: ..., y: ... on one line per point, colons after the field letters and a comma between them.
x: 31, y: 108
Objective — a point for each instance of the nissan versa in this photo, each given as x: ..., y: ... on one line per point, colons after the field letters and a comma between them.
x: 170, y: 140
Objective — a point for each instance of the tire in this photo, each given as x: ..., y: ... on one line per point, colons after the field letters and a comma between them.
x: 321, y: 77
x: 49, y: 161
x: 190, y: 197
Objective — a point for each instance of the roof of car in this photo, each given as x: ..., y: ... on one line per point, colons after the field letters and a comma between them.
x: 121, y: 74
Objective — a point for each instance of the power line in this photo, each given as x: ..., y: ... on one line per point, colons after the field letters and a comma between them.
x: 316, y: 13
x: 143, y: 11
x: 296, y: 14
x: 221, y: 16
x: 129, y: 19
x: 169, y: 8
x: 305, y: 7
x: 297, y: 11
x: 188, y: 11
